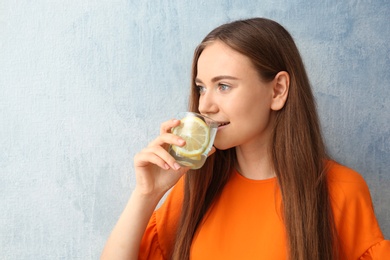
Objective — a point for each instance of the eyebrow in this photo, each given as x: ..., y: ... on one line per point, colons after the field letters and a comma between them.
x: 218, y: 78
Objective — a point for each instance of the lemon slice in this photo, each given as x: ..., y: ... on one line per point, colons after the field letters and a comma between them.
x: 196, y: 133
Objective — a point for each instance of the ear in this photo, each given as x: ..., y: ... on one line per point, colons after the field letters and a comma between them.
x: 281, y: 86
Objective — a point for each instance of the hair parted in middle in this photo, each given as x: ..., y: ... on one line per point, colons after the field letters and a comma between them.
x: 297, y: 149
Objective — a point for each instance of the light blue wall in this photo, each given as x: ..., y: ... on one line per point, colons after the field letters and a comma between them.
x: 84, y: 85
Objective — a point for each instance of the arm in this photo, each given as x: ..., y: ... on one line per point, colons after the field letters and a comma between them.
x: 358, y: 230
x: 126, y: 236
x: 156, y: 172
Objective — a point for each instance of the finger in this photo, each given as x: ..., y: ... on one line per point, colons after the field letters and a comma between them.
x: 164, y: 160
x: 167, y: 138
x: 145, y: 158
x: 168, y: 125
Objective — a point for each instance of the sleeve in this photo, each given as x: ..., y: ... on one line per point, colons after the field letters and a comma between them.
x: 150, y: 248
x: 159, y: 236
x: 379, y: 251
x: 358, y: 230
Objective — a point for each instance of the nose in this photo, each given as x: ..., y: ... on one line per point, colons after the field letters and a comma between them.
x: 207, y: 103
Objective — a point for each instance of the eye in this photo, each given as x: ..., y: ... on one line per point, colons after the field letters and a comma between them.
x: 223, y: 87
x: 201, y: 89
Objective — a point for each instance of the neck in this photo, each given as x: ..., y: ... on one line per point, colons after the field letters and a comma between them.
x: 254, y: 162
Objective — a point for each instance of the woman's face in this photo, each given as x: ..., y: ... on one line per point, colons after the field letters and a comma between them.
x: 232, y: 93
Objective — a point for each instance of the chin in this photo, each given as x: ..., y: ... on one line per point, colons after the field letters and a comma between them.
x: 222, y: 147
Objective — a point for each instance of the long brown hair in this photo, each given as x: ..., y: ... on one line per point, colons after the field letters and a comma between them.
x: 298, y: 151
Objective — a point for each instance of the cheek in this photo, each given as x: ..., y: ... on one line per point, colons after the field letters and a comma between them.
x: 252, y: 112
x: 256, y: 99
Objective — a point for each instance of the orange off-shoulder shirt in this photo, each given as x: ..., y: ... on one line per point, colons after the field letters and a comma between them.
x: 245, y: 222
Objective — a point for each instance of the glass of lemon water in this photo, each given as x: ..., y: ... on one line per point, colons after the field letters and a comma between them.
x: 199, y: 133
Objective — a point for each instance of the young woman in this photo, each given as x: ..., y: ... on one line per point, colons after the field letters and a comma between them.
x: 268, y: 190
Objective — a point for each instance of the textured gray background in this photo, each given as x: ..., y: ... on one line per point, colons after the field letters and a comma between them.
x: 84, y: 85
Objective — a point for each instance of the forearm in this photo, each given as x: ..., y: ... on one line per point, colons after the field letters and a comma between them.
x: 124, y: 241
x: 156, y: 172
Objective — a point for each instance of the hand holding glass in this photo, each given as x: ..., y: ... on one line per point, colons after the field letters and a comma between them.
x: 199, y: 133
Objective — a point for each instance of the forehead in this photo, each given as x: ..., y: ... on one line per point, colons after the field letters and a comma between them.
x: 219, y: 59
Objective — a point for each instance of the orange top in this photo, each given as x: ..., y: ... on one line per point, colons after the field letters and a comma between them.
x: 245, y: 221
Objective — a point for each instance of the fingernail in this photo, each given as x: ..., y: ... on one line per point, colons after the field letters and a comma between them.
x: 176, y: 166
x: 166, y: 166
x: 181, y: 141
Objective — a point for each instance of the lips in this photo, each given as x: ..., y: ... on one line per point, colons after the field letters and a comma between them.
x: 223, y: 123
